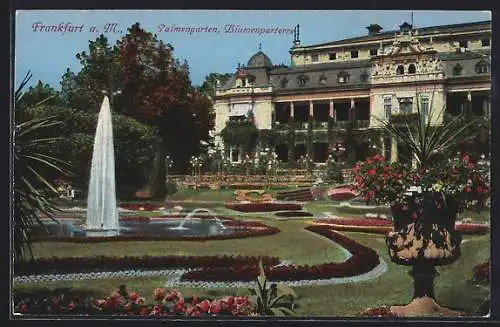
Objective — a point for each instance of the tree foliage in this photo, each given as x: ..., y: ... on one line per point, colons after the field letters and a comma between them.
x: 34, y: 163
x: 155, y: 89
x: 134, y: 145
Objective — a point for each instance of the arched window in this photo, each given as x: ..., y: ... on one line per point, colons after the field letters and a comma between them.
x: 411, y: 69
x: 251, y: 79
x: 343, y: 77
x: 482, y: 67
x: 400, y: 70
x: 322, y: 79
x: 457, y: 70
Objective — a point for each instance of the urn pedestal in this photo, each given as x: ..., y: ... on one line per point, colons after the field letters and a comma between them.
x: 424, y: 238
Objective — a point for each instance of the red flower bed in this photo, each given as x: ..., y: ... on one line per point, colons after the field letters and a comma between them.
x: 356, y: 221
x: 383, y: 311
x: 263, y: 207
x: 382, y: 226
x: 248, y: 229
x: 342, y: 193
x: 124, y: 303
x: 251, y: 232
x: 294, y: 214
x: 481, y: 273
x: 363, y: 259
x: 472, y: 229
x: 141, y: 206
x: 111, y: 263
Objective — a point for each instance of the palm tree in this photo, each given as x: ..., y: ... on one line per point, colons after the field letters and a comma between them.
x: 429, y: 141
x: 34, y: 193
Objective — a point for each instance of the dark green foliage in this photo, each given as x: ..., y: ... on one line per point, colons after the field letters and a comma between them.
x: 240, y: 133
x: 35, y: 166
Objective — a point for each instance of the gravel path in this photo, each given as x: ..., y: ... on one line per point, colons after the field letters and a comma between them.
x: 174, y: 276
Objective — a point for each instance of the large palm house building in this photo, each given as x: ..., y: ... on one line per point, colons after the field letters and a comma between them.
x: 355, y: 83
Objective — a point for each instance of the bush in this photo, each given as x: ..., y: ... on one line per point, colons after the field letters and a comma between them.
x: 481, y: 273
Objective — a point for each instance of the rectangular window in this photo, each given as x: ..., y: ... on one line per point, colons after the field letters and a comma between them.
x: 485, y: 42
x: 406, y: 105
x: 387, y: 107
x: 425, y: 107
x: 235, y: 155
x: 354, y: 54
x: 463, y: 44
x: 487, y: 108
x: 373, y: 52
x: 332, y: 56
x: 314, y: 57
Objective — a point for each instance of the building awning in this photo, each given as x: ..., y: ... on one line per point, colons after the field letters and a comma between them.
x: 240, y: 109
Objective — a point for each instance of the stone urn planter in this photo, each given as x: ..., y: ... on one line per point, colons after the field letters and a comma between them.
x: 424, y: 238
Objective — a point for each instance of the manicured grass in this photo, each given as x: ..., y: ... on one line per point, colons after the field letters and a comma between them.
x: 393, y: 287
x: 292, y: 243
x: 297, y: 245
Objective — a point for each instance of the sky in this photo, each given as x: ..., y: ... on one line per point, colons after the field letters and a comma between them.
x: 47, y: 54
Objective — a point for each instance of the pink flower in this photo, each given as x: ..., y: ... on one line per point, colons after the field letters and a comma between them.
x: 414, y: 216
x: 372, y: 172
x: 204, y: 305
x: 468, y: 189
x: 133, y: 296
x: 159, y: 294
x: 157, y: 309
x: 215, y: 307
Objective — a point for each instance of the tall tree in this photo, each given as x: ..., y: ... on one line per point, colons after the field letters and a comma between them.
x: 40, y: 93
x: 155, y: 89
x: 209, y: 86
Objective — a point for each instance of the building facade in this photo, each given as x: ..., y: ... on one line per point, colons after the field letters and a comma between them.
x: 359, y: 82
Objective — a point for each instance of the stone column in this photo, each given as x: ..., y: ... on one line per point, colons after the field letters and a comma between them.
x: 291, y: 109
x: 394, y: 150
x: 311, y: 108
x: 331, y: 112
x: 382, y: 142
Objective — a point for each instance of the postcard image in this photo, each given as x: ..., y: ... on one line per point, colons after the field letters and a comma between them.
x: 203, y: 164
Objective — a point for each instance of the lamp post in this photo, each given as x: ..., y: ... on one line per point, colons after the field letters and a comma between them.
x: 168, y: 164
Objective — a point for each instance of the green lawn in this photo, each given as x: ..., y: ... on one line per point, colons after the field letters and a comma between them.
x: 295, y: 244
x: 393, y: 287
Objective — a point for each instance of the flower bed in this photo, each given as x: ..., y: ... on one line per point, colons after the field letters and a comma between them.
x: 253, y: 196
x: 263, y: 207
x: 111, y: 263
x: 473, y: 229
x: 253, y: 232
x: 141, y: 206
x: 363, y: 260
x: 356, y: 221
x: 383, y: 311
x: 294, y: 214
x: 342, y: 193
x: 383, y: 226
x: 245, y: 229
x: 121, y: 302
x: 481, y: 273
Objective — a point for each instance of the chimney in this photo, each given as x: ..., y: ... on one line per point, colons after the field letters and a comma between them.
x: 374, y: 29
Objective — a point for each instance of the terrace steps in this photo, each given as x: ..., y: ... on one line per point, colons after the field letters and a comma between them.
x: 303, y: 194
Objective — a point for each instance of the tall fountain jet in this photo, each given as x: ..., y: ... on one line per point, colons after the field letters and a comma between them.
x: 102, y: 213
